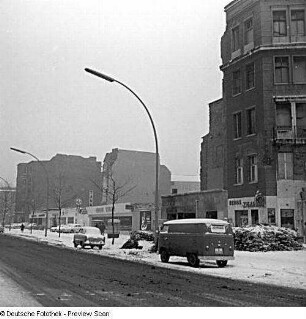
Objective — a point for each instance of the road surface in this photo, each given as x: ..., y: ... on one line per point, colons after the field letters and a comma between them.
x: 65, y: 277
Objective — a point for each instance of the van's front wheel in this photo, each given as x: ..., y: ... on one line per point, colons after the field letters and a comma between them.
x: 221, y: 263
x: 193, y: 260
x: 164, y: 256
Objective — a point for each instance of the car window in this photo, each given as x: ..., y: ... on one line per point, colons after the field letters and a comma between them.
x: 164, y: 229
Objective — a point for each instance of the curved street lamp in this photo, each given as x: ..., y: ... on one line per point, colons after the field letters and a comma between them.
x: 110, y: 79
x: 47, y: 179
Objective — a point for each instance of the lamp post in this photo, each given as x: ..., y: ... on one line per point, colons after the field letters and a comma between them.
x: 110, y: 79
x: 47, y: 179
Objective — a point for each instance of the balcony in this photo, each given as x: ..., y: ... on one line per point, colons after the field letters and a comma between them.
x: 289, y: 135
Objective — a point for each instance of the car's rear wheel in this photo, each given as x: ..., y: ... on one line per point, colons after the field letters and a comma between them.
x: 164, y: 256
x: 75, y: 244
x: 100, y: 247
x: 82, y: 244
x: 193, y: 260
x: 221, y: 263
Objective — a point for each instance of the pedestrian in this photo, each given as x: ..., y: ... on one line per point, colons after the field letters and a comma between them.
x: 22, y: 228
x: 102, y: 227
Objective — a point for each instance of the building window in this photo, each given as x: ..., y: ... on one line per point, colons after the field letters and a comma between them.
x: 213, y: 214
x: 236, y: 82
x: 239, y: 171
x: 285, y: 166
x: 301, y: 120
x: 299, y: 69
x: 70, y: 220
x: 174, y: 190
x: 281, y: 71
x: 250, y: 76
x: 253, y: 169
x: 298, y: 22
x: 251, y: 121
x: 279, y: 23
x: 235, y: 39
x: 283, y: 116
x: 237, y: 125
x: 248, y: 31
x: 287, y: 218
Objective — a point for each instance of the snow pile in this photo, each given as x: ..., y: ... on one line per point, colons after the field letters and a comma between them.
x: 266, y: 238
x: 142, y: 235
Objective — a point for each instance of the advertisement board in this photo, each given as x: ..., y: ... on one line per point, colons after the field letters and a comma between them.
x: 145, y: 220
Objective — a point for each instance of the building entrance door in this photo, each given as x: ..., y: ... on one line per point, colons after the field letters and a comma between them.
x: 254, y: 216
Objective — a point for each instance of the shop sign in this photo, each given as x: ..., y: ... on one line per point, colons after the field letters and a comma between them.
x: 246, y: 204
x: 235, y: 202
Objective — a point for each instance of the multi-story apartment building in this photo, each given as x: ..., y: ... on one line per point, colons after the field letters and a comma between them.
x: 7, y: 205
x: 134, y: 173
x: 263, y: 54
x: 73, y: 181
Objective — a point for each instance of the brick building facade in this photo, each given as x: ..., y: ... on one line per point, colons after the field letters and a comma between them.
x: 263, y: 54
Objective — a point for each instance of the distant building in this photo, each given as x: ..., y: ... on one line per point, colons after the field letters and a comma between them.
x: 134, y: 171
x: 7, y: 205
x: 71, y: 178
x: 180, y: 187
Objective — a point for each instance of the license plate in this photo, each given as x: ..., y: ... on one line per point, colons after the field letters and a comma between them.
x: 219, y: 251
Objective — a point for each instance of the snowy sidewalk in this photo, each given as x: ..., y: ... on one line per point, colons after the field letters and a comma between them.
x: 282, y: 268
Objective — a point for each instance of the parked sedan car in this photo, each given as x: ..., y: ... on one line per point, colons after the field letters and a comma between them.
x: 89, y: 236
x: 74, y: 228
x: 54, y: 229
x: 65, y: 229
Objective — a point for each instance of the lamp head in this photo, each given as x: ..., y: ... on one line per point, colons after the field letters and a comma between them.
x: 18, y: 150
x: 100, y: 75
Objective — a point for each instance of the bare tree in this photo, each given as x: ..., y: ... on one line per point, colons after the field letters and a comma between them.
x: 113, y: 192
x: 62, y: 194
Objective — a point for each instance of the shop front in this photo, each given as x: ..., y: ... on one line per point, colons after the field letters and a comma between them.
x: 281, y: 212
x: 248, y: 211
x: 129, y: 217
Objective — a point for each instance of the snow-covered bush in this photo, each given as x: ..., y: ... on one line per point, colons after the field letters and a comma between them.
x: 265, y: 238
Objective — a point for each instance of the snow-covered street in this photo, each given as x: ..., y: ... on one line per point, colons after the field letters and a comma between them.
x: 283, y: 268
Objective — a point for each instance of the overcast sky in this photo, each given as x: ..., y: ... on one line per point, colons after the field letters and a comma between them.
x: 167, y: 51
